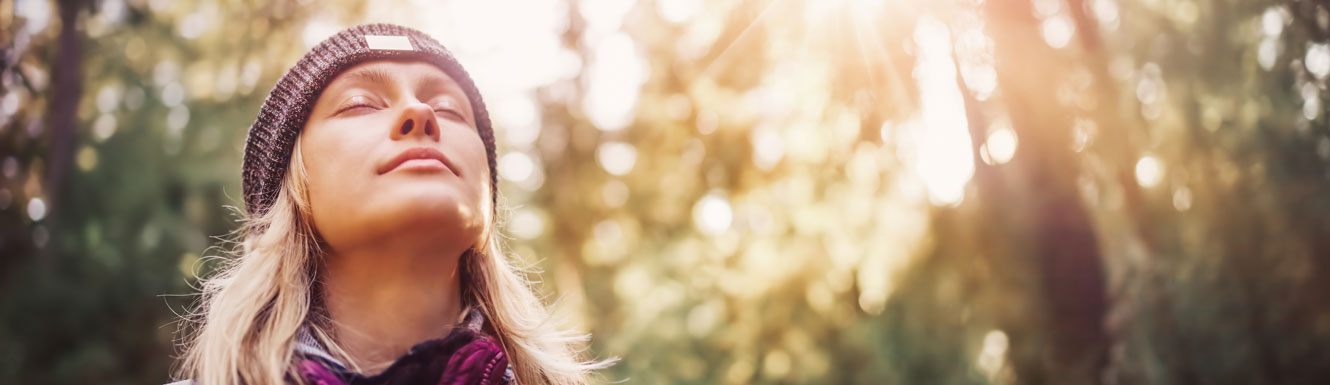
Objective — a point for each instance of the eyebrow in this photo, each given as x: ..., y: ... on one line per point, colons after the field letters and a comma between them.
x: 439, y: 84
x: 369, y: 75
x: 431, y: 83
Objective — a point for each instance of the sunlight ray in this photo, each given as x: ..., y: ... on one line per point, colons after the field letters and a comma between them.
x: 716, y: 60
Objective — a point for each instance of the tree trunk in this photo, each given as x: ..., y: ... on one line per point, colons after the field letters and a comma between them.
x: 1065, y: 247
x: 67, y: 79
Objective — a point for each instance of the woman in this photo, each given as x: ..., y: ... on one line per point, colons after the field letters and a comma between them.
x: 369, y: 253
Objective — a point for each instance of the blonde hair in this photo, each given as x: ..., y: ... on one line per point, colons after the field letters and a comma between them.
x: 244, y: 326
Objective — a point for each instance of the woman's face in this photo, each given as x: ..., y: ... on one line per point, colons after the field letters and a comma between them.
x: 391, y: 149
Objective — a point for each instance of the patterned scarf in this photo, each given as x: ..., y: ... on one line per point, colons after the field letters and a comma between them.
x: 466, y: 356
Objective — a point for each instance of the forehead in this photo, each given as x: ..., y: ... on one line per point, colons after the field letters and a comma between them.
x: 389, y: 72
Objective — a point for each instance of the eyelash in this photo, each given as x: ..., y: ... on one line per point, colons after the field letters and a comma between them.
x: 352, y: 107
x: 455, y: 113
x: 354, y: 103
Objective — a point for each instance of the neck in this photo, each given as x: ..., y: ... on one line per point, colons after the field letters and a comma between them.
x: 384, y: 300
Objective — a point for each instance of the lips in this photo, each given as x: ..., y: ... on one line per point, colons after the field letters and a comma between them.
x: 424, y: 153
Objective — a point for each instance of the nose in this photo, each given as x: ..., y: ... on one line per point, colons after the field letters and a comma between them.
x: 417, y: 119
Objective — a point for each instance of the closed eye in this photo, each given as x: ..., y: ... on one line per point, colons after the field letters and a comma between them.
x: 356, y: 108
x: 449, y: 107
x: 448, y: 111
x: 356, y: 105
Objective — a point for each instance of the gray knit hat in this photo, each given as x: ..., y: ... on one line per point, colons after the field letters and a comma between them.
x: 273, y: 135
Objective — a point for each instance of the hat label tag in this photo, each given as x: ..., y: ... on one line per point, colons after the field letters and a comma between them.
x: 388, y: 43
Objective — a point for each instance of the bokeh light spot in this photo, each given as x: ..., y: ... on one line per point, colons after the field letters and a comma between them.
x: 1149, y: 171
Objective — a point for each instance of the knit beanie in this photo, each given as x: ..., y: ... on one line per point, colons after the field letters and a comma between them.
x: 273, y: 135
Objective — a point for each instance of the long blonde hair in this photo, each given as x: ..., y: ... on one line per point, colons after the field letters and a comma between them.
x: 244, y: 326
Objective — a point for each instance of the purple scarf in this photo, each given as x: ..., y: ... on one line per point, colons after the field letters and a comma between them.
x: 465, y: 357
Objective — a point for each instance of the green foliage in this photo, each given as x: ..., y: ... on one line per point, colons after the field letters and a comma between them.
x: 746, y: 192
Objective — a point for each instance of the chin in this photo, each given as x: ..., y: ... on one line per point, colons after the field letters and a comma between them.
x: 425, y: 213
x: 433, y: 205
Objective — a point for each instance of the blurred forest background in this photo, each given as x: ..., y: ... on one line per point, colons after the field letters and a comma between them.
x: 738, y: 191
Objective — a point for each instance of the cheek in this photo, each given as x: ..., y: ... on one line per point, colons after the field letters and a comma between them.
x: 325, y: 159
x: 479, y: 183
x: 336, y: 166
x: 473, y: 154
